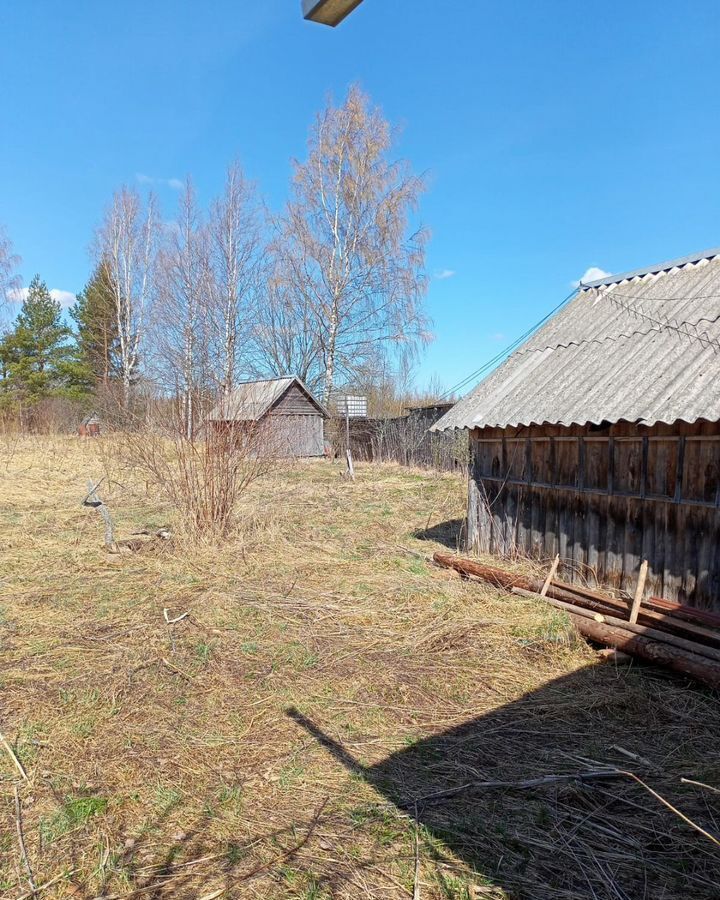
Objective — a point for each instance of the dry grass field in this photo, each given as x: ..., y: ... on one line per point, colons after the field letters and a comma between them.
x: 281, y: 740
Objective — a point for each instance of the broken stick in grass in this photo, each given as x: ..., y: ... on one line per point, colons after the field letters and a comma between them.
x: 13, y: 756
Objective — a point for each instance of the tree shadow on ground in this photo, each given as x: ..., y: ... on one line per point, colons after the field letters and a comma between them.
x: 583, y: 838
x: 451, y: 533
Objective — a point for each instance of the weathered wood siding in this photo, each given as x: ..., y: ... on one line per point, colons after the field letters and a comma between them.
x: 294, y: 435
x: 604, y: 499
x: 294, y: 426
x: 294, y: 402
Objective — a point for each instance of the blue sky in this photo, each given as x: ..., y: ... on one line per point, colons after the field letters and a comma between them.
x: 555, y: 136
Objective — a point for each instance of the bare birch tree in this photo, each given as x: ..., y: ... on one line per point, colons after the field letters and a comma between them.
x: 285, y: 337
x: 9, y: 280
x: 351, y: 254
x: 236, y: 239
x: 180, y: 311
x: 127, y: 241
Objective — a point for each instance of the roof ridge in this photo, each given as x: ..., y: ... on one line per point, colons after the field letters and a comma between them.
x: 666, y: 266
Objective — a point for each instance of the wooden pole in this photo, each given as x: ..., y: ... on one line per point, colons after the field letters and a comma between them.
x: 639, y: 591
x: 348, y: 453
x: 551, y: 575
x: 92, y: 499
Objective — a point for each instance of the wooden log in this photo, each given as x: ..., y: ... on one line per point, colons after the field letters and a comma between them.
x: 663, y: 620
x: 583, y: 591
x: 663, y: 654
x: 682, y: 611
x: 653, y: 633
x: 586, y: 599
x: 491, y: 574
x: 659, y: 604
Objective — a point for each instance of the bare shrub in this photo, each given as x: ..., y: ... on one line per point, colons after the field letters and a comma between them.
x: 202, y: 477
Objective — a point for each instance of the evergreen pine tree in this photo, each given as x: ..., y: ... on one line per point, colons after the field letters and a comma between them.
x: 97, y: 333
x: 35, y: 356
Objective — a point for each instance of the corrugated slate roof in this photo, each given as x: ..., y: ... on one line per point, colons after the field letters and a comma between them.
x: 642, y: 347
x: 250, y: 400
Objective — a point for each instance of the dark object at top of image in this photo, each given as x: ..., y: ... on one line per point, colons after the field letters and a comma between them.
x: 328, y: 12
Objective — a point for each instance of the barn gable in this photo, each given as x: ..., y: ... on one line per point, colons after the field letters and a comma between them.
x: 296, y: 400
x: 251, y: 400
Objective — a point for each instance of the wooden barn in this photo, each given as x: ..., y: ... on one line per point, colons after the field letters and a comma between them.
x: 282, y: 411
x: 599, y: 438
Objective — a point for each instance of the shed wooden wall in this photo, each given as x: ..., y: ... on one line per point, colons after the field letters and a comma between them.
x: 294, y: 402
x: 295, y: 426
x: 604, y: 499
x: 294, y: 436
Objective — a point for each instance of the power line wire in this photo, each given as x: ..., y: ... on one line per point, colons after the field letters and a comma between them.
x: 506, y: 350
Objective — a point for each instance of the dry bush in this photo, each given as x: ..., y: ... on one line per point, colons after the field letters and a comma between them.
x: 203, y: 478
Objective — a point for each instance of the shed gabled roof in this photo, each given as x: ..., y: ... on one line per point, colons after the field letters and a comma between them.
x: 643, y: 346
x: 250, y: 400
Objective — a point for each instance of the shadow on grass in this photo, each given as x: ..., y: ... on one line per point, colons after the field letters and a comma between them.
x: 450, y: 534
x: 583, y: 838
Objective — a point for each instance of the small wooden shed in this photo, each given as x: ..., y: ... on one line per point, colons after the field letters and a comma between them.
x: 599, y: 438
x: 90, y: 426
x: 283, y: 410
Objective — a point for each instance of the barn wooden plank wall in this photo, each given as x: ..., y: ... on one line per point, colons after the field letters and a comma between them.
x: 604, y: 499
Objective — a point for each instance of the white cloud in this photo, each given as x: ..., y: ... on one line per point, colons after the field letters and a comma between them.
x: 498, y: 337
x: 444, y: 273
x: 593, y: 273
x: 175, y: 183
x: 64, y: 298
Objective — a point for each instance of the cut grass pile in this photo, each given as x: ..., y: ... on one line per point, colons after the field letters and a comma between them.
x: 274, y: 742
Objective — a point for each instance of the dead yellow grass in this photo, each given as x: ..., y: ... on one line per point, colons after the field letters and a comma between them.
x: 274, y: 742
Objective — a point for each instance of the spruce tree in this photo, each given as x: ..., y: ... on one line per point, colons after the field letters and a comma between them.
x: 36, y: 356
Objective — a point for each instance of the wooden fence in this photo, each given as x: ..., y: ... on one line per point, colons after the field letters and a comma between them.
x: 406, y: 440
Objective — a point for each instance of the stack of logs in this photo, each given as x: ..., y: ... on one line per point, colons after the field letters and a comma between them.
x: 670, y: 634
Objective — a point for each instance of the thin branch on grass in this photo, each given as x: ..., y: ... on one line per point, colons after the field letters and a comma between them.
x: 700, y: 784
x: 674, y: 809
x: 635, y: 756
x: 21, y: 840
x: 176, y: 619
x: 543, y: 780
x: 176, y: 669
x: 46, y: 885
x: 416, y: 877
